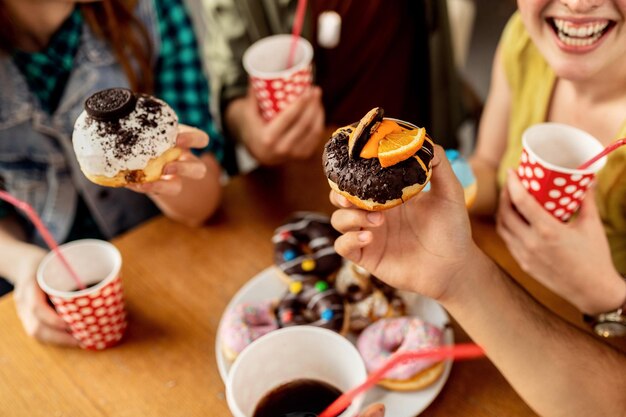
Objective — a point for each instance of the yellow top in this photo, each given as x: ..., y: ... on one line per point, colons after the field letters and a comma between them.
x: 532, y: 81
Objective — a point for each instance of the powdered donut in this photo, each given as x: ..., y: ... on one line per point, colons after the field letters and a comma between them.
x: 368, y: 298
x: 385, y: 337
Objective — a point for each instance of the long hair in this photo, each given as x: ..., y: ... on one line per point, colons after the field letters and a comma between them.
x: 115, y: 22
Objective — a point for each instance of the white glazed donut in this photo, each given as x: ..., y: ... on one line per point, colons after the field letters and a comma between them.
x: 123, y: 138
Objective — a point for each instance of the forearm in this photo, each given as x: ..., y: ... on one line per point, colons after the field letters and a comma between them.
x: 602, y: 295
x: 557, y: 369
x: 198, y: 198
x: 15, y: 251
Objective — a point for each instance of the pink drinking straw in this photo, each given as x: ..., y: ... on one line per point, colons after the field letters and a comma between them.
x: 296, y: 31
x: 605, y: 151
x: 44, y: 232
x: 462, y: 351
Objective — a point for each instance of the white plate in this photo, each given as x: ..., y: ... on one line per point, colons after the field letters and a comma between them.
x: 267, y: 285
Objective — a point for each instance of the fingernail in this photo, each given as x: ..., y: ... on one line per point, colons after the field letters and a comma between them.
x: 363, y: 236
x: 374, y: 217
x: 169, y: 170
x: 343, y: 202
x: 377, y: 410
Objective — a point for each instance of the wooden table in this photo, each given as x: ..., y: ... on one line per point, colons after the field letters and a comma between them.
x: 177, y: 282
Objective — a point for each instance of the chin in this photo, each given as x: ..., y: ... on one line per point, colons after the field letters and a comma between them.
x: 573, y: 70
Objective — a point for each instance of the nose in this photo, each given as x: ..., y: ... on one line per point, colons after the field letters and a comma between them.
x: 582, y: 6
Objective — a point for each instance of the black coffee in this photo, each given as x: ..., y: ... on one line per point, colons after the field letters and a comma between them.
x: 299, y: 398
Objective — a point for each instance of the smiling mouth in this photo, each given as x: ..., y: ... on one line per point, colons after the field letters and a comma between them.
x: 580, y: 34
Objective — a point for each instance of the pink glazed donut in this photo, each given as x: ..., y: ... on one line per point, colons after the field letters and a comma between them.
x: 244, y: 324
x: 382, y: 339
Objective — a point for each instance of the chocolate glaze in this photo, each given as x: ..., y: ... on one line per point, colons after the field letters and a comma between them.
x: 306, y: 240
x: 314, y: 305
x: 366, y: 178
x: 111, y: 104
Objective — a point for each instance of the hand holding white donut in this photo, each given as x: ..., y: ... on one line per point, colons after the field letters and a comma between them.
x: 125, y: 139
x: 431, y: 231
x: 186, y: 166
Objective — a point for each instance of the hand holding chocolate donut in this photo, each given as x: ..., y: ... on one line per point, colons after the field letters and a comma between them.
x: 378, y: 163
x: 421, y: 246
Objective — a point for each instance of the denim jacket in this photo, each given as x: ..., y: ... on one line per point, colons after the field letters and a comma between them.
x: 37, y: 161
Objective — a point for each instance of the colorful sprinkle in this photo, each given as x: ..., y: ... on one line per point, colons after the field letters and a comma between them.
x: 289, y: 255
x: 285, y: 235
x: 308, y: 265
x: 286, y: 316
x: 321, y: 286
x: 327, y: 314
x: 295, y: 287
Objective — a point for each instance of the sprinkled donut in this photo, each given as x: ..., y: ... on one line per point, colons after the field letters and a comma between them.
x: 304, y: 246
x: 244, y: 324
x: 387, y: 336
x: 313, y: 303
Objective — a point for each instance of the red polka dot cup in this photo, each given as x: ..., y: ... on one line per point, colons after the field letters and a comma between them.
x: 274, y: 85
x: 95, y: 315
x: 550, y: 154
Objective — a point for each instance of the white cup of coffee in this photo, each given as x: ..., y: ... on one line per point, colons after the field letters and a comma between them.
x: 292, y: 354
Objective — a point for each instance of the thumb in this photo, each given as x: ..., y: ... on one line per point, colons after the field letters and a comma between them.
x: 443, y: 180
x: 588, y: 207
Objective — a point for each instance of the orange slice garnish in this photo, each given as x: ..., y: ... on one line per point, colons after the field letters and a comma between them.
x: 397, y: 147
x: 370, y: 150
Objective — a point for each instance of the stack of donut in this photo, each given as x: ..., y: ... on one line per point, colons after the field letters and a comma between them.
x: 326, y: 291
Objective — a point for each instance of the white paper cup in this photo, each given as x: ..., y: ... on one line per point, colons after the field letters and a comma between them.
x: 275, y: 85
x: 95, y: 315
x: 550, y: 154
x: 289, y: 354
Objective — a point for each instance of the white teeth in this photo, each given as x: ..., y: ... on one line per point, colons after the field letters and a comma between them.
x: 579, y: 31
x: 578, y: 41
x: 579, y: 35
x: 559, y: 24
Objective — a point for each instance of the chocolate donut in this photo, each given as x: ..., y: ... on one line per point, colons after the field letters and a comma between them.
x: 304, y: 246
x: 313, y: 303
x: 364, y: 181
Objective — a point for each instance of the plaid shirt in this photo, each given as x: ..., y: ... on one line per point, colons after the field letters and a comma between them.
x: 179, y: 79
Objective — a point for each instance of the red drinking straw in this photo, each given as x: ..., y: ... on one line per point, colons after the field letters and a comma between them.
x: 462, y: 351
x: 296, y: 31
x: 45, y: 233
x: 605, y: 151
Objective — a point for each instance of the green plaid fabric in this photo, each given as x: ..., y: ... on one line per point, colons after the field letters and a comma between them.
x: 179, y: 77
x: 47, y: 71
